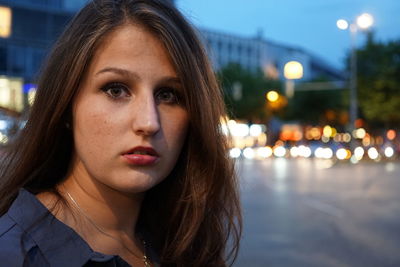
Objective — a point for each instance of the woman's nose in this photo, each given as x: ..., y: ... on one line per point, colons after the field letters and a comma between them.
x: 146, y: 121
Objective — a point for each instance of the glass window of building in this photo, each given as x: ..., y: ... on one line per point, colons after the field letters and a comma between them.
x: 3, y: 59
x: 5, y: 21
x: 30, y: 25
x: 17, y: 59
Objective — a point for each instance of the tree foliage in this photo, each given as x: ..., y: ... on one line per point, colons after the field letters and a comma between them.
x: 250, y: 103
x: 314, y: 107
x: 318, y: 106
x: 378, y: 76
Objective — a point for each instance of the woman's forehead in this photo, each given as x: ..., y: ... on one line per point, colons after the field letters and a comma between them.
x: 133, y: 51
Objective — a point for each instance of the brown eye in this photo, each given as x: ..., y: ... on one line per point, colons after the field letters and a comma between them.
x: 116, y: 91
x: 167, y: 95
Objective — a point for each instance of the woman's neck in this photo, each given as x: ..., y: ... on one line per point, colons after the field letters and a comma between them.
x: 103, y: 217
x: 109, y: 209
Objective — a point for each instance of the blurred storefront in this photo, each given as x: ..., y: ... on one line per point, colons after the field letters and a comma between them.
x: 12, y: 104
x: 28, y: 29
x: 11, y: 94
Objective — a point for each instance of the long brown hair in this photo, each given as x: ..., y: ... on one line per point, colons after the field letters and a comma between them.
x: 193, y: 216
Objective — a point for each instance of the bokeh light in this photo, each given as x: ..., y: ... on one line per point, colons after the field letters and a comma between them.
x: 279, y: 151
x: 235, y: 152
x: 391, y: 134
x: 364, y: 21
x: 293, y: 70
x: 272, y: 96
x: 341, y: 153
x: 373, y: 153
x: 255, y: 130
x: 264, y: 152
x: 342, y: 24
x: 389, y: 152
x: 359, y: 153
x: 305, y: 151
x: 248, y: 153
x: 294, y: 152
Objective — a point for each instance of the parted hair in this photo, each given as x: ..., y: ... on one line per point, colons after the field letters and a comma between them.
x: 193, y: 217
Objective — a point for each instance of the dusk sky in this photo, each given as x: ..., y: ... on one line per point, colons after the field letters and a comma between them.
x: 309, y: 24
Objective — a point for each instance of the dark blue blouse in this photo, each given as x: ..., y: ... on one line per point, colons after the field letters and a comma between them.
x: 31, y: 236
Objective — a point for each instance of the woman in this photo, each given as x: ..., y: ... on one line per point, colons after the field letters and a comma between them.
x: 122, y: 153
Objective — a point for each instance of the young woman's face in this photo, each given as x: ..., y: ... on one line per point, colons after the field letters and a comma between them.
x: 129, y: 119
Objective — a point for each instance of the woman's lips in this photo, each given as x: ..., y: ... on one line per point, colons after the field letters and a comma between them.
x: 142, y: 160
x: 141, y: 155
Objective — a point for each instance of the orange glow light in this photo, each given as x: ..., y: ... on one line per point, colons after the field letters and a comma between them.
x: 391, y: 135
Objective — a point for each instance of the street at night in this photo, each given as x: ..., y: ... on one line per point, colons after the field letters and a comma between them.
x: 310, y: 212
x: 119, y: 120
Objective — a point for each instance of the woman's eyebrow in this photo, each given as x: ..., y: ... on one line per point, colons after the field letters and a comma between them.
x: 119, y: 71
x: 129, y: 74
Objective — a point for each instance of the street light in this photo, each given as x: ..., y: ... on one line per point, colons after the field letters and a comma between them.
x: 342, y: 24
x: 292, y: 70
x: 363, y: 22
x: 275, y: 101
x: 272, y: 96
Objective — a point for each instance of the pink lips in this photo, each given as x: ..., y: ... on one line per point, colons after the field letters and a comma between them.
x: 141, y: 156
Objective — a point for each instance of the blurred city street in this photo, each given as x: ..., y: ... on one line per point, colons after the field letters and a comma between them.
x: 310, y: 212
x: 312, y: 90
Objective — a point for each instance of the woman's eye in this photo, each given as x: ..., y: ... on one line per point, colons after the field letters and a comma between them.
x: 116, y: 90
x: 167, y: 95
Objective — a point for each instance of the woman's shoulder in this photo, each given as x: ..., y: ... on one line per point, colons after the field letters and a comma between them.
x: 6, y: 225
x: 17, y: 246
x: 9, y: 231
x: 11, y: 243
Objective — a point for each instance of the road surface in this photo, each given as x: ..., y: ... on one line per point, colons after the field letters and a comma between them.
x: 308, y: 212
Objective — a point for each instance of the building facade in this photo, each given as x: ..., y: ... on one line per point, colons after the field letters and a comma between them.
x: 35, y: 25
x: 28, y: 28
x: 257, y: 53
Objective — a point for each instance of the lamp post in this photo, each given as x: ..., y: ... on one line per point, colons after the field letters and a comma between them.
x: 363, y: 22
x: 292, y: 70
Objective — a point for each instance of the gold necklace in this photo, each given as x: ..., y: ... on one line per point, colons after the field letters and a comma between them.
x: 145, y: 259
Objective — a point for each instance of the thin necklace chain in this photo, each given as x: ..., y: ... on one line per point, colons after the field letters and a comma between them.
x: 145, y: 259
